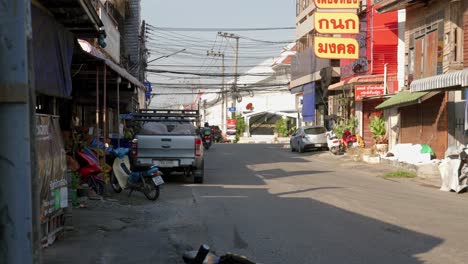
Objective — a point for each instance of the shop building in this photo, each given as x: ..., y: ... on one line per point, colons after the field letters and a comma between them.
x: 434, y: 58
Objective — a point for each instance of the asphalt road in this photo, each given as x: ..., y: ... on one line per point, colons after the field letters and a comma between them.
x: 274, y: 206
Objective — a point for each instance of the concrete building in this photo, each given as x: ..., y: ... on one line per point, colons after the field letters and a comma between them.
x: 310, y: 76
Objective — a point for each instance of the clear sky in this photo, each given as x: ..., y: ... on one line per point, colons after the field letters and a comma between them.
x: 219, y: 13
x: 212, y: 14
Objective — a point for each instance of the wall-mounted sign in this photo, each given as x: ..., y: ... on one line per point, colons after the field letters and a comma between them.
x: 232, y: 109
x: 363, y: 91
x: 337, y: 4
x: 336, y: 23
x: 336, y: 48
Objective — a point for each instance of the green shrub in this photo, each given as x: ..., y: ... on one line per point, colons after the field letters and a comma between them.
x: 378, y: 130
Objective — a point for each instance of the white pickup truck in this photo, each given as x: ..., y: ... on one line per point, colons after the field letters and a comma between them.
x: 169, y: 139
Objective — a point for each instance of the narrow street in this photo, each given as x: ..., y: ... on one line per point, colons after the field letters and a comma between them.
x: 275, y: 206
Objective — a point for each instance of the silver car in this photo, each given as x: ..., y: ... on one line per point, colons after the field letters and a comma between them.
x: 309, y: 137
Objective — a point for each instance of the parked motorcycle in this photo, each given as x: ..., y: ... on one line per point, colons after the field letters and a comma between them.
x: 145, y: 179
x: 348, y: 139
x: 334, y: 144
x: 203, y: 256
x: 89, y: 171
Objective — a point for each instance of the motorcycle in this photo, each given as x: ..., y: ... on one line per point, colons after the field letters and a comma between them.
x: 348, y: 139
x: 207, y: 138
x: 89, y: 171
x: 145, y: 179
x: 203, y: 256
x: 333, y: 143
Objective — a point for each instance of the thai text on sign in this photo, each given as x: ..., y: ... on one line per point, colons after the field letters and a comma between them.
x: 336, y: 23
x: 363, y: 91
x: 336, y: 48
x: 337, y: 4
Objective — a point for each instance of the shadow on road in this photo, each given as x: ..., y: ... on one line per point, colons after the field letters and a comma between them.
x: 281, y: 228
x: 275, y: 228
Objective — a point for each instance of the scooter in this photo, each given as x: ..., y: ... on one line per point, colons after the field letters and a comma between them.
x: 145, y: 179
x: 203, y: 256
x: 334, y: 144
x: 89, y: 171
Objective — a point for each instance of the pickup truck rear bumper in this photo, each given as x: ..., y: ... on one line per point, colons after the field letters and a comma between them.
x: 171, y: 162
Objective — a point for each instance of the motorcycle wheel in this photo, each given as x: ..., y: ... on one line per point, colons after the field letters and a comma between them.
x: 151, y: 191
x: 334, y: 150
x: 207, y: 147
x: 98, y: 186
x: 115, y: 184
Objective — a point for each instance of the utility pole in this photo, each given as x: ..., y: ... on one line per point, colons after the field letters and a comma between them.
x: 19, y: 198
x: 236, y: 66
x: 223, y: 92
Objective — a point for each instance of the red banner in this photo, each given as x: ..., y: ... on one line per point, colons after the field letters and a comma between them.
x: 363, y: 91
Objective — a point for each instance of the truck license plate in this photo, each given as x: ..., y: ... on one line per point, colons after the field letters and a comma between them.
x: 158, y: 180
x: 166, y: 163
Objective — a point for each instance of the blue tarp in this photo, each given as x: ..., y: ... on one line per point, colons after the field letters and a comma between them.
x: 308, y: 103
x: 52, y: 47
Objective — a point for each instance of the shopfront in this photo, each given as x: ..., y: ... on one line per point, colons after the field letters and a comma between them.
x: 359, y: 97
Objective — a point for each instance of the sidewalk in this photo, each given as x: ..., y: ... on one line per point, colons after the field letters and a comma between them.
x: 118, y: 229
x: 379, y: 169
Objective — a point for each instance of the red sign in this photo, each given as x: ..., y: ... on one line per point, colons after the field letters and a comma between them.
x: 363, y: 91
x: 231, y: 123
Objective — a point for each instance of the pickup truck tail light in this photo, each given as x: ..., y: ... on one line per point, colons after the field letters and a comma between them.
x: 134, y: 150
x: 198, y: 147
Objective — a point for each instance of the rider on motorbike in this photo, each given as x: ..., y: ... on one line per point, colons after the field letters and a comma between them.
x: 205, y: 131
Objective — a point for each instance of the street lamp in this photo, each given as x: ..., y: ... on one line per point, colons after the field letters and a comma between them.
x: 166, y: 56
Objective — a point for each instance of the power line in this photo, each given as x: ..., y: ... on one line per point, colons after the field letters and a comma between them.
x: 222, y: 29
x: 211, y: 75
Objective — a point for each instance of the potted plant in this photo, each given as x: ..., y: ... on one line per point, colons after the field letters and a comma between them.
x: 378, y: 129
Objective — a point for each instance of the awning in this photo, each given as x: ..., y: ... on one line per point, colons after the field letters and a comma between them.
x: 78, y: 16
x: 392, y: 82
x: 458, y: 79
x: 402, y: 98
x: 90, y: 49
x: 298, y: 84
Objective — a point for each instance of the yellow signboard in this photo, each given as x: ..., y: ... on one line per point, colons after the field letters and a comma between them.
x: 336, y: 23
x: 337, y: 4
x: 336, y: 48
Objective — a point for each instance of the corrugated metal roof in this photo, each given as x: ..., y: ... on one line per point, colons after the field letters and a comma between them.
x: 448, y: 80
x: 403, y: 97
x: 87, y: 47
